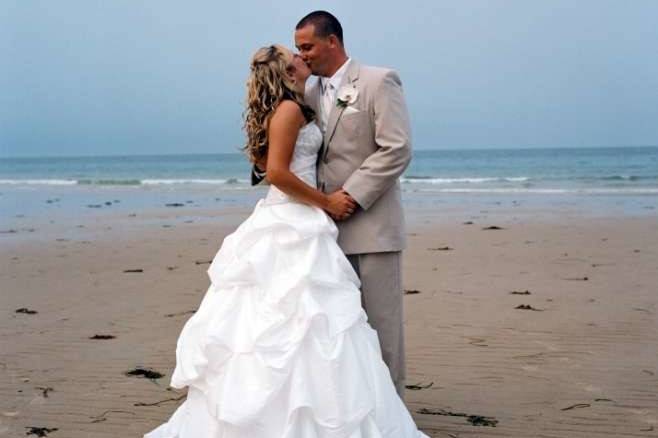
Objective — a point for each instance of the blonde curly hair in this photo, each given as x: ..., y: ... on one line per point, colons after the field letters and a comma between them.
x: 267, y: 86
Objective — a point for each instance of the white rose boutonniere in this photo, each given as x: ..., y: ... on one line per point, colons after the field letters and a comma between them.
x: 346, y: 95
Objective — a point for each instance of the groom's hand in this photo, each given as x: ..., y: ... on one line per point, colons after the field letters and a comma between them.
x: 340, y: 205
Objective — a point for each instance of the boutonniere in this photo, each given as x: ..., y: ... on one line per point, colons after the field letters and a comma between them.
x: 346, y: 95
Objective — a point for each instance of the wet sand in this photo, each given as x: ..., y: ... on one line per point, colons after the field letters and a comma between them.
x: 545, y: 327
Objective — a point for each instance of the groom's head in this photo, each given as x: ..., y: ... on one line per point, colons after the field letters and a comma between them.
x: 319, y: 39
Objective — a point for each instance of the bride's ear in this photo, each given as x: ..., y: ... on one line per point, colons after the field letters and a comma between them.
x: 290, y: 73
x: 290, y: 78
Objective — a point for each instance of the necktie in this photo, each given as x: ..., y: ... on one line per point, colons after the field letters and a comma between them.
x: 327, y: 101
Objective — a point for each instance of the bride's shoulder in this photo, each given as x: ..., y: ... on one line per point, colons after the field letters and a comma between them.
x: 287, y: 111
x: 287, y: 105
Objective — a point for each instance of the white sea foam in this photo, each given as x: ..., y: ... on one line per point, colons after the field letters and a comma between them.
x: 429, y: 180
x: 520, y: 190
x: 121, y: 182
x: 194, y: 181
x: 51, y: 182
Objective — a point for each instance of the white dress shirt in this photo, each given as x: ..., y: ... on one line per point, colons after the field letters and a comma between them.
x: 329, y: 87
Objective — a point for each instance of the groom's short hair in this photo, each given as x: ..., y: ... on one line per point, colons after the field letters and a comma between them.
x: 325, y: 24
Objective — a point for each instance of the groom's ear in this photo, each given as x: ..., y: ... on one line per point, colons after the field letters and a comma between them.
x: 333, y: 41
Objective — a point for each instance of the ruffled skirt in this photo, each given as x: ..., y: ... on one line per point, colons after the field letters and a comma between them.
x: 280, y: 346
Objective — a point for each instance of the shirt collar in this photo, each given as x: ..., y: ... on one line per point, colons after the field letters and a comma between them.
x: 337, y: 77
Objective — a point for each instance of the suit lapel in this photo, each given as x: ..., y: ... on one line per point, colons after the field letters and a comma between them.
x: 350, y: 77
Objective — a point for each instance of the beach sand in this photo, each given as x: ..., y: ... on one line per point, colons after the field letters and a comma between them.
x: 580, y: 361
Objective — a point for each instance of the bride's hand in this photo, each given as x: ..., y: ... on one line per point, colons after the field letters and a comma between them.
x: 340, y: 205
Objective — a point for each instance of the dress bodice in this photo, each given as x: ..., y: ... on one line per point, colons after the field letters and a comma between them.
x: 303, y: 162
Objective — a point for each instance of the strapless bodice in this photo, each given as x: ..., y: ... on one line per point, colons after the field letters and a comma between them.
x: 303, y: 162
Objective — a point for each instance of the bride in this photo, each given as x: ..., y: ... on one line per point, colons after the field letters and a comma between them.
x: 280, y: 346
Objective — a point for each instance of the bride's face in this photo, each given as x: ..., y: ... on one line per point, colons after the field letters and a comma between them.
x: 297, y: 68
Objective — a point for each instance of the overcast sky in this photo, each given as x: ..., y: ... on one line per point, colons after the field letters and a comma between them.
x: 159, y: 77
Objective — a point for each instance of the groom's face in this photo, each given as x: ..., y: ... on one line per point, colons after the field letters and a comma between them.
x: 315, y: 51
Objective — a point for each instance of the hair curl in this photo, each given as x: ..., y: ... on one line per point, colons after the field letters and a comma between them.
x: 267, y: 86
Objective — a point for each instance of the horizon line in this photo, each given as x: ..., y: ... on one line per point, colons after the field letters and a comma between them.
x: 174, y: 154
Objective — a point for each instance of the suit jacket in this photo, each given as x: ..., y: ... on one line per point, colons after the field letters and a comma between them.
x: 367, y: 146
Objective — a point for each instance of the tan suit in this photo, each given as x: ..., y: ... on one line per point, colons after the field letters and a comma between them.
x: 365, y: 152
x: 367, y: 146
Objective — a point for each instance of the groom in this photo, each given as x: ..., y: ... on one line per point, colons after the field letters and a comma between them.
x: 362, y: 112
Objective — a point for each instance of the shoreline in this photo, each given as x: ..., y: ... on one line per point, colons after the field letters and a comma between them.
x: 27, y: 215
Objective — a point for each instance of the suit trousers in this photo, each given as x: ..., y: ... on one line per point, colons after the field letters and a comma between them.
x: 381, y: 297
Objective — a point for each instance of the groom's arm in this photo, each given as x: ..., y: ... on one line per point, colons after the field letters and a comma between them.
x: 393, y: 138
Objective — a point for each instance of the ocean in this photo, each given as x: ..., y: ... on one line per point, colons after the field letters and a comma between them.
x: 623, y: 170
x: 35, y: 186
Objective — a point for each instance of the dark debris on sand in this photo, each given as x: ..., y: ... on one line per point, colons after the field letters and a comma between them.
x: 527, y: 307
x: 411, y: 291
x: 144, y: 372
x: 418, y: 386
x: 39, y: 431
x: 45, y: 390
x: 101, y: 417
x: 102, y: 337
x: 519, y: 292
x: 158, y: 403
x: 26, y: 310
x: 169, y: 315
x: 576, y: 406
x: 475, y: 420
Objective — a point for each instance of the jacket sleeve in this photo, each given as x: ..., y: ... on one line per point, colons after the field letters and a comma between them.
x: 393, y: 139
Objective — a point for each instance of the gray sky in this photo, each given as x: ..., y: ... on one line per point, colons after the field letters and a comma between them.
x: 149, y: 77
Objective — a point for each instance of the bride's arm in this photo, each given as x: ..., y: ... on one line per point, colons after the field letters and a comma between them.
x: 282, y: 134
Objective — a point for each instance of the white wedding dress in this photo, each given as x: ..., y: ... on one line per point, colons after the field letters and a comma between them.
x: 280, y: 346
